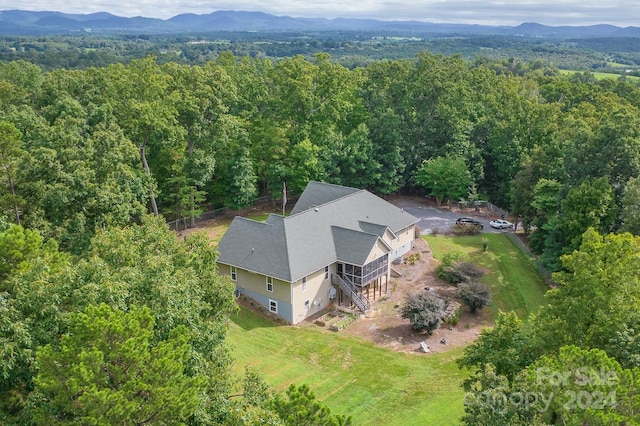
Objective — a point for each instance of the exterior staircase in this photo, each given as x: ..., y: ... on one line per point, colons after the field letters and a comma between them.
x: 353, y: 291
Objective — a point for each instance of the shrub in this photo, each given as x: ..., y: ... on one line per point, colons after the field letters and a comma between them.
x: 475, y: 295
x: 449, y: 259
x: 413, y: 258
x: 455, y: 268
x: 455, y: 318
x: 460, y: 272
x: 452, y: 257
x: 466, y: 229
x: 343, y: 322
x: 424, y: 311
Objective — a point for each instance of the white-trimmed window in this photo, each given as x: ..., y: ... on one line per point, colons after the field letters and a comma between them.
x: 273, y: 306
x: 326, y: 272
x: 307, y: 305
x: 269, y: 284
x: 234, y: 273
x: 304, y: 283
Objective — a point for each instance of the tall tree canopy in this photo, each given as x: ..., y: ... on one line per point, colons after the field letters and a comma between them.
x: 597, y: 295
x: 587, y: 331
x: 99, y: 147
x: 141, y: 265
x: 445, y: 178
x: 86, y: 155
x: 107, y: 370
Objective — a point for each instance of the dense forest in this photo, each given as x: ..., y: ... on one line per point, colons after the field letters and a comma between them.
x: 86, y: 152
x: 618, y: 55
x: 88, y: 149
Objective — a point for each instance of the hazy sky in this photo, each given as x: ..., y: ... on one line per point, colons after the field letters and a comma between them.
x: 491, y: 12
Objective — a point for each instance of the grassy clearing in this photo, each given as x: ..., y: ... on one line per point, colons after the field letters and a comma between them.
x: 350, y: 376
x: 514, y: 281
x: 374, y: 385
x: 602, y: 75
x: 215, y: 228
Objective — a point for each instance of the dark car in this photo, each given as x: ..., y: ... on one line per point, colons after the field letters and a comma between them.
x: 469, y: 221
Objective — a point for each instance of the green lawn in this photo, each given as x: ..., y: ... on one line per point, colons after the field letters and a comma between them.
x: 512, y: 277
x: 378, y: 386
x: 350, y: 376
x: 216, y: 227
x: 602, y: 75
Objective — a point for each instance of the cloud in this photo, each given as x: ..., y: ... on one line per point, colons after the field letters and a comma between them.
x: 491, y: 12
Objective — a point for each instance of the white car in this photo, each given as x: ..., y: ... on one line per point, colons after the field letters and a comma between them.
x: 501, y: 224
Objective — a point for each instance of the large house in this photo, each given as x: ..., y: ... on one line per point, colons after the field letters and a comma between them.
x: 336, y: 246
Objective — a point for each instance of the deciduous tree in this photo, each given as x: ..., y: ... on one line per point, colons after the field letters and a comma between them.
x: 630, y: 212
x: 475, y: 294
x: 583, y: 386
x: 506, y: 346
x: 142, y: 265
x: 597, y: 295
x: 445, y: 178
x: 10, y: 154
x: 592, y: 204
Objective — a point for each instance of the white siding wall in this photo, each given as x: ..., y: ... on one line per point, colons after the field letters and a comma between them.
x: 403, y: 242
x: 316, y: 292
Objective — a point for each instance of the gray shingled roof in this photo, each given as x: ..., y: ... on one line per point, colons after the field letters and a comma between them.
x: 256, y: 246
x: 352, y: 246
x: 318, y: 193
x: 373, y: 228
x: 312, y: 237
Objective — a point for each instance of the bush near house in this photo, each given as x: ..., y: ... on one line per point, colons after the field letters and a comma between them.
x: 448, y: 259
x: 424, y: 311
x: 460, y: 272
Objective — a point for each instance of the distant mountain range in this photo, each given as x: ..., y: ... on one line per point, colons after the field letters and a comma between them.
x: 22, y: 22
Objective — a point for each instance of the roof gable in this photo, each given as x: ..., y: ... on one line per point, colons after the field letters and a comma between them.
x: 318, y: 193
x: 256, y: 246
x: 353, y: 246
x: 344, y: 228
x: 373, y: 228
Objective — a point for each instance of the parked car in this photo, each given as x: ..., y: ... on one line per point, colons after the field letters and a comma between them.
x: 501, y: 224
x: 469, y: 221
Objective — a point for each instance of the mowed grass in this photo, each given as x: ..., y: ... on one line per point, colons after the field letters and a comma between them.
x: 352, y: 377
x: 377, y: 386
x: 514, y: 282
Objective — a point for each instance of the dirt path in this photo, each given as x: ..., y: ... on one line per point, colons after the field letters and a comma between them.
x: 384, y: 325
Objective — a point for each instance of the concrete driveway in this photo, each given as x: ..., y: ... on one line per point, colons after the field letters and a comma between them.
x: 441, y: 219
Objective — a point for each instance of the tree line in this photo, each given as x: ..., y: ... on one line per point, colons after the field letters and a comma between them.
x: 87, y: 150
x: 350, y: 48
